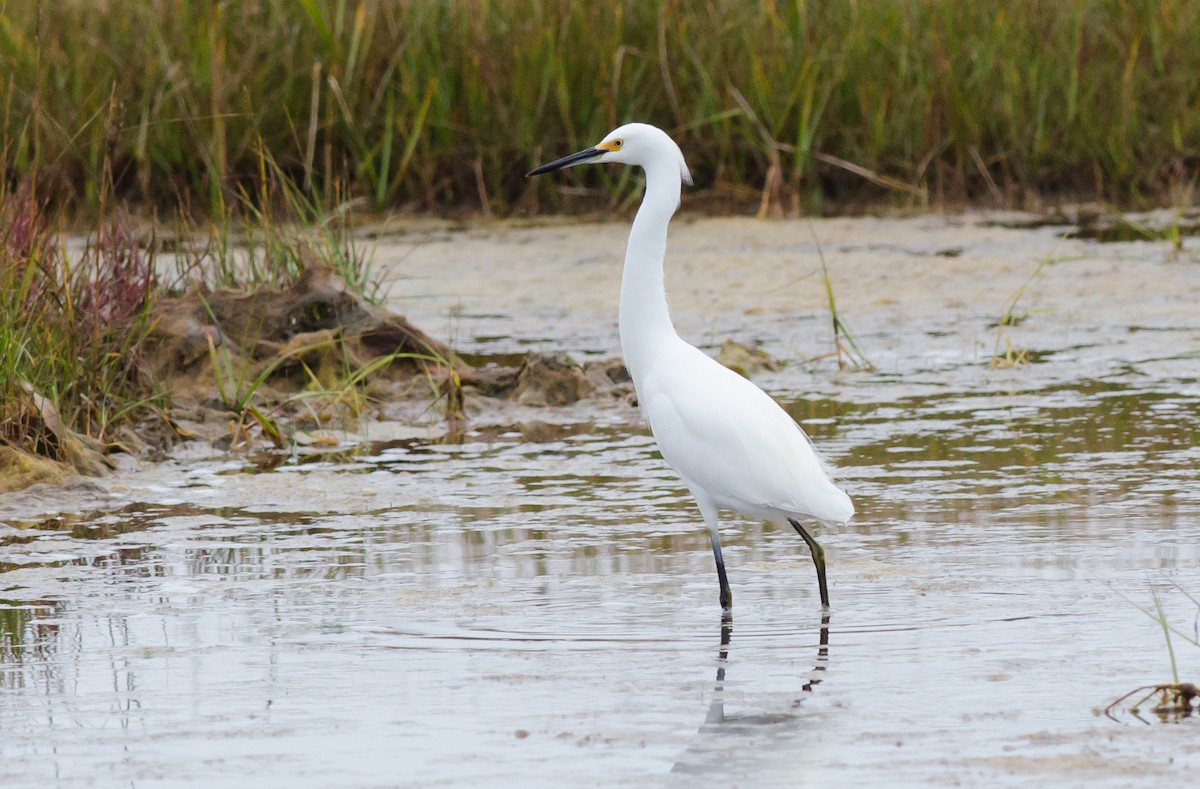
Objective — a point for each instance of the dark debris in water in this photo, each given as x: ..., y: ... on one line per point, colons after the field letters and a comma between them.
x: 1120, y: 229
x: 1034, y: 223
x: 1110, y: 228
x: 1173, y: 702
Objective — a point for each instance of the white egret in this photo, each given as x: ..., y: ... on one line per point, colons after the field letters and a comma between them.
x: 733, y: 445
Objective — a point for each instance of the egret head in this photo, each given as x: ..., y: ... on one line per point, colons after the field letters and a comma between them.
x: 634, y: 143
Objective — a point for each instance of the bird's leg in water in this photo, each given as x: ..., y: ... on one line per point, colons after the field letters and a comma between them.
x: 822, y: 658
x: 818, y: 555
x: 726, y: 592
x: 716, y: 708
x: 723, y: 655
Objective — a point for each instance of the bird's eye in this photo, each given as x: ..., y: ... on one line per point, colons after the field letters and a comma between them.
x: 617, y: 144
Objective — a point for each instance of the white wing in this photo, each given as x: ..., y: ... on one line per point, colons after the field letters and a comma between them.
x: 727, y: 437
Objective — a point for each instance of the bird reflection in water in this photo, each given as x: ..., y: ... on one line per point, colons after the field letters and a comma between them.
x: 717, y: 747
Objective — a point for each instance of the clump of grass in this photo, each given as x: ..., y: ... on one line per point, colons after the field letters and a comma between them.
x: 845, y: 349
x: 436, y: 106
x: 79, y: 330
x: 346, y: 396
x: 72, y: 331
x: 268, y: 238
x: 266, y: 242
x: 1012, y: 355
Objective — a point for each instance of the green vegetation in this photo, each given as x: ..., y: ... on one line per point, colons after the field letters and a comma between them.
x: 71, y: 330
x: 844, y: 347
x: 81, y: 330
x: 437, y: 106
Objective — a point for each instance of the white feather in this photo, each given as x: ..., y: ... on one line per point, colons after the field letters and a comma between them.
x: 728, y: 438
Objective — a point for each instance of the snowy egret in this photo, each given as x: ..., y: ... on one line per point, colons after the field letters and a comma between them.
x: 733, y: 445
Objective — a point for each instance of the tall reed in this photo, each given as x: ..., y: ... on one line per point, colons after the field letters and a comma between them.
x: 438, y: 106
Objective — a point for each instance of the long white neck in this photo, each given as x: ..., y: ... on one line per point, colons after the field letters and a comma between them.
x: 643, y: 318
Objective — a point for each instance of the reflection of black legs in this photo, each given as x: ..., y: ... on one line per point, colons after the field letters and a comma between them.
x: 716, y: 708
x: 726, y: 592
x: 723, y: 654
x: 818, y: 556
x: 822, y: 657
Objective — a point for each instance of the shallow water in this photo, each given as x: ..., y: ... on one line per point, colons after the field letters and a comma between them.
x: 538, y: 607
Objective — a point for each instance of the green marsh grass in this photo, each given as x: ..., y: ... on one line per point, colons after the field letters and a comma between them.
x: 437, y: 106
x: 267, y: 238
x: 75, y: 325
x: 72, y: 329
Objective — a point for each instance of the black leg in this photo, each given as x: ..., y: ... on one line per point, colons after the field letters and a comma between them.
x: 726, y: 592
x: 818, y: 555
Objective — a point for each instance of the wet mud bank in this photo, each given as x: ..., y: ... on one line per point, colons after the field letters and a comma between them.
x: 284, y: 368
x: 534, y: 602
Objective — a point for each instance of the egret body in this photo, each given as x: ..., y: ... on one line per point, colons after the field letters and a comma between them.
x: 734, y: 447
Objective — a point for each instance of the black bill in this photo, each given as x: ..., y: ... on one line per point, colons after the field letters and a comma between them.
x: 583, y: 157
